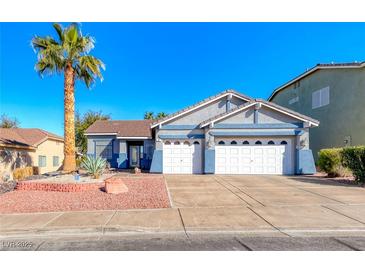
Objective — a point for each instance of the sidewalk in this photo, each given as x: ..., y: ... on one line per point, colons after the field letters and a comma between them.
x: 187, y: 221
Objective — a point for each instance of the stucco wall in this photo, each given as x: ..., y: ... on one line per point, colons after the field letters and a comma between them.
x: 244, y: 117
x: 343, y: 117
x: 11, y: 158
x: 48, y: 148
x: 206, y: 112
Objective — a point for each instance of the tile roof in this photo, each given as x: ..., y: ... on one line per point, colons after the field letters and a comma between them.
x: 304, y: 117
x: 25, y: 137
x: 315, y: 68
x: 228, y: 91
x: 123, y: 128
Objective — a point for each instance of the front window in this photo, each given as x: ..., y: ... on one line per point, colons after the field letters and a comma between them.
x: 104, y: 150
x: 42, y: 161
x: 56, y: 161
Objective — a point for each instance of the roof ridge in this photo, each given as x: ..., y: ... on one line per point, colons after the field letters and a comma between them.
x: 315, y: 68
x: 259, y: 100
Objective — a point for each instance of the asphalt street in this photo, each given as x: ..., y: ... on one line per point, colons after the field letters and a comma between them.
x: 178, y: 242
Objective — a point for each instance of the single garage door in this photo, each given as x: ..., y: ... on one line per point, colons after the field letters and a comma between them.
x: 182, y: 157
x: 256, y: 158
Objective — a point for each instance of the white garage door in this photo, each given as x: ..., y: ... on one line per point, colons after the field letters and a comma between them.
x: 274, y: 158
x: 182, y: 157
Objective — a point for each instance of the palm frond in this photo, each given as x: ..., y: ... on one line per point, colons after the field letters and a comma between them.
x: 59, y: 30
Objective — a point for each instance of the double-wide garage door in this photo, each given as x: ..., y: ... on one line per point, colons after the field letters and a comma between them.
x: 255, y: 159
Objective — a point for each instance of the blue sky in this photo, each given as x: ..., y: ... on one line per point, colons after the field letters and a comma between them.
x: 167, y: 66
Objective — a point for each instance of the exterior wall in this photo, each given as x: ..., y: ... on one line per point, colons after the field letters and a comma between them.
x: 343, y: 118
x: 48, y: 148
x: 268, y: 116
x: 120, y: 150
x: 206, y: 112
x: 13, y: 158
x: 244, y: 117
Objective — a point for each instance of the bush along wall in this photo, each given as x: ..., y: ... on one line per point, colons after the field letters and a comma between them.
x: 354, y: 159
x: 329, y: 161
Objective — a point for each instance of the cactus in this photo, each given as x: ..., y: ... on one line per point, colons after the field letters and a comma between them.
x: 94, y: 166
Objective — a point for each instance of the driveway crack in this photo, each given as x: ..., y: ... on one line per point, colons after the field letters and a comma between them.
x: 343, y: 214
x: 266, y: 221
x: 183, y: 224
x: 240, y: 190
x: 321, y: 195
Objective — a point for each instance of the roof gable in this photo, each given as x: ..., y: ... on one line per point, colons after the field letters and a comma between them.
x: 268, y: 105
x: 313, y: 70
x: 201, y: 104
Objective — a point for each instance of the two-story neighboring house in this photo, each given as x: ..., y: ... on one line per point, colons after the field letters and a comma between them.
x: 333, y: 94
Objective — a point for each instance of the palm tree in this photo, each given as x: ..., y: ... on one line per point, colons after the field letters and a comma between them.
x: 161, y: 115
x: 148, y: 115
x: 68, y: 54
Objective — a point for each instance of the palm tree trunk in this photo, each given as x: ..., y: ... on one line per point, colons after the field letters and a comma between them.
x: 69, y: 163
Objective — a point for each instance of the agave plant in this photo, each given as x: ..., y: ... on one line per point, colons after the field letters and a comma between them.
x: 94, y: 166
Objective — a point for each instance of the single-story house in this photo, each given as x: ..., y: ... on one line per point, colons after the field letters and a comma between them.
x: 21, y: 147
x: 229, y: 133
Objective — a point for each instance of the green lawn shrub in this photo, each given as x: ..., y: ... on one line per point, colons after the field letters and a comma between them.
x: 329, y: 161
x: 353, y: 158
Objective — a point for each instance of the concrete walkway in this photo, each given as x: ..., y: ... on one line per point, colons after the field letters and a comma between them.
x: 250, y: 205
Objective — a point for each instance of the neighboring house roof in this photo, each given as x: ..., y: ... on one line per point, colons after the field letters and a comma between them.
x: 276, y: 107
x: 201, y: 103
x: 25, y: 137
x: 314, y: 69
x: 121, y: 128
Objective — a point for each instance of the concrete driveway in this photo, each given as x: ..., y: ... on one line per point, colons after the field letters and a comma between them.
x: 291, y: 205
x: 269, y: 206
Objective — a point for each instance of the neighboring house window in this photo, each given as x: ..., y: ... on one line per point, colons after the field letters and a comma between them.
x: 42, y: 161
x: 294, y: 100
x: 321, y: 97
x: 104, y: 150
x: 56, y: 160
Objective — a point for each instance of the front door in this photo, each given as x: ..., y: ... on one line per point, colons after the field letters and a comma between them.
x: 134, y: 156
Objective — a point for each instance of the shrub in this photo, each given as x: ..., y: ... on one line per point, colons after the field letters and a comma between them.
x: 22, y: 173
x: 329, y: 161
x: 354, y: 159
x: 94, y: 166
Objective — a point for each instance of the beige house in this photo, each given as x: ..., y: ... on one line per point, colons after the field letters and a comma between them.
x: 21, y: 147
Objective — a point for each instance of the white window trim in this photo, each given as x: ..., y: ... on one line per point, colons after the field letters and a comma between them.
x: 321, y: 93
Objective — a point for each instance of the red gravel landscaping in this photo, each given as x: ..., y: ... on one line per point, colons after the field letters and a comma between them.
x: 144, y: 192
